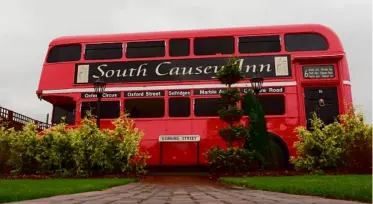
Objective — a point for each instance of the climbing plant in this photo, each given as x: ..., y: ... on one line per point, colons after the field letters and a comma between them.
x: 230, y: 113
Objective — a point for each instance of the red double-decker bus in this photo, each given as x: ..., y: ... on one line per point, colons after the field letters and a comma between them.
x: 165, y: 81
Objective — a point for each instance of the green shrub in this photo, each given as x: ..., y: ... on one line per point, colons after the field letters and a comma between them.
x: 23, y: 149
x: 84, y: 150
x: 358, y: 145
x: 230, y: 73
x: 233, y: 160
x: 234, y: 133
x: 232, y: 114
x: 345, y: 144
x: 231, y: 96
x: 6, y: 136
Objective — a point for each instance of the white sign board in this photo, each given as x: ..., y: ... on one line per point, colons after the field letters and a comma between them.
x: 83, y: 74
x: 179, y: 138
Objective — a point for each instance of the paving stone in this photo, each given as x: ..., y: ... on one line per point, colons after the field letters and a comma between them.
x: 125, y: 202
x: 182, y: 193
x: 154, y: 202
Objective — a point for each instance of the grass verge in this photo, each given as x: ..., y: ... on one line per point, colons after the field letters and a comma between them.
x: 26, y: 189
x: 347, y: 187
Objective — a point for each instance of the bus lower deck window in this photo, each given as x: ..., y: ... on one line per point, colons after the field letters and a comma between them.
x: 179, y: 107
x: 272, y: 104
x: 63, y: 110
x: 145, y: 107
x: 108, y: 109
x: 205, y: 107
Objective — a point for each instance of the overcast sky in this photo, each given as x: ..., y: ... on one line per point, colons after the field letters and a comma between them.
x: 27, y: 26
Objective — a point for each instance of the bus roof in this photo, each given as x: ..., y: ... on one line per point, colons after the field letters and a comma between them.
x: 257, y: 30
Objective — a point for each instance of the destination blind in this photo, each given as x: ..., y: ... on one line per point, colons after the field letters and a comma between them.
x: 318, y: 72
x: 144, y: 93
x: 196, y: 92
x: 104, y: 95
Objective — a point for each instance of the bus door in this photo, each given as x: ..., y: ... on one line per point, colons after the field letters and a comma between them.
x: 149, y: 113
x: 320, y: 83
x: 178, y: 146
x: 323, y: 101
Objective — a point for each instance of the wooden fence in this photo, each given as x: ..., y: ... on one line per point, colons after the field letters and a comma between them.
x: 17, y: 120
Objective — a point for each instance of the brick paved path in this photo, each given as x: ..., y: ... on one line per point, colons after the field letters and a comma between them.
x: 180, y: 193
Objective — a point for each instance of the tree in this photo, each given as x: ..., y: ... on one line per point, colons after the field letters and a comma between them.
x: 258, y: 138
x: 230, y: 113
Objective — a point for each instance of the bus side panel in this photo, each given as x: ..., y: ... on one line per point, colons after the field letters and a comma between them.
x: 282, y: 128
x: 149, y: 143
x: 208, y: 129
x: 179, y: 153
x: 57, y: 76
x: 346, y: 97
x: 107, y: 124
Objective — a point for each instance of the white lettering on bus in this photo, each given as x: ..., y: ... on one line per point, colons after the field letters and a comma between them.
x: 206, y: 70
x: 134, y: 94
x: 208, y: 92
x: 109, y: 73
x: 252, y: 68
x: 141, y: 70
x: 185, y: 70
x: 90, y: 95
x: 100, y: 70
x: 109, y: 95
x: 157, y: 68
x: 276, y: 90
x: 199, y: 71
x: 178, y: 93
x: 240, y: 61
x: 152, y: 93
x: 189, y: 72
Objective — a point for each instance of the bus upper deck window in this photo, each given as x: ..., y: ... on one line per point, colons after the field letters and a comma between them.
x: 305, y: 42
x: 64, y: 53
x: 214, y: 45
x: 179, y: 47
x: 103, y: 51
x: 146, y: 49
x: 259, y: 44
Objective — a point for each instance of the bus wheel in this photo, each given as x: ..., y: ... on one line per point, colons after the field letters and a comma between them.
x: 279, y: 153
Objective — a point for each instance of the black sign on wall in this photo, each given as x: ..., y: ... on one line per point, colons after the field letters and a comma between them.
x: 143, y: 93
x: 180, y: 69
x: 104, y: 95
x: 318, y: 72
x: 266, y: 90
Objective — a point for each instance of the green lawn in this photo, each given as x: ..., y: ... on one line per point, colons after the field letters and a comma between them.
x: 349, y: 187
x: 25, y: 189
